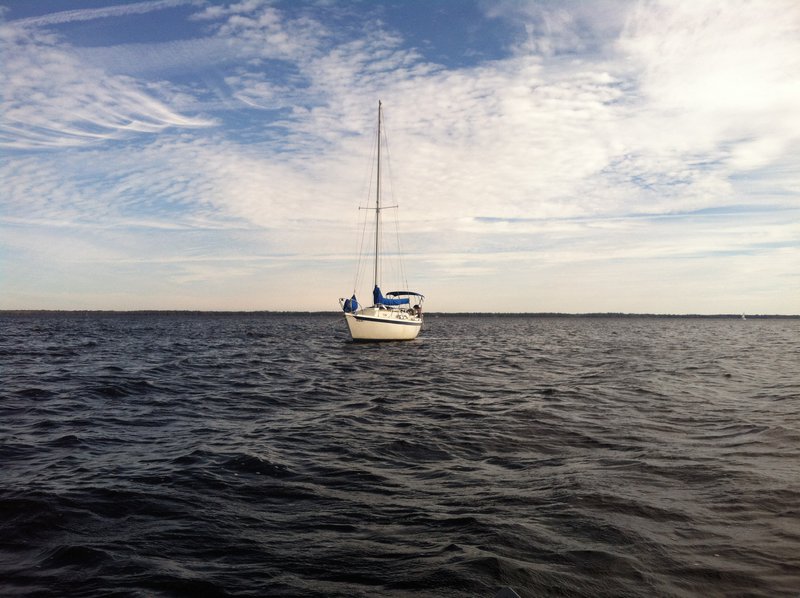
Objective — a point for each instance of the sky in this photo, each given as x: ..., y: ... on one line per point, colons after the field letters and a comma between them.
x: 585, y: 156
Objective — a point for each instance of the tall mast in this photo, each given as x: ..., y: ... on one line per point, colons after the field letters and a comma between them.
x: 378, y: 199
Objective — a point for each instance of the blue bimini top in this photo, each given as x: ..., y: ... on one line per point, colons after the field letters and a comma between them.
x: 379, y: 299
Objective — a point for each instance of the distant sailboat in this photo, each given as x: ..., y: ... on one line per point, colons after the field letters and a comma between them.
x: 391, y: 317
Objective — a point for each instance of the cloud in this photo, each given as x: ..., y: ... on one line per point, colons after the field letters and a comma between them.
x: 589, y: 133
x: 696, y: 56
x: 52, y: 99
x: 597, y: 143
x: 583, y: 27
x: 159, y: 59
x: 217, y: 12
x: 88, y: 14
x: 716, y: 80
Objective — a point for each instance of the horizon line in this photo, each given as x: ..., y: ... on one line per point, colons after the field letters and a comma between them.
x: 606, y: 314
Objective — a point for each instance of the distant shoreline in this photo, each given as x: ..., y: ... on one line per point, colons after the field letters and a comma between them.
x: 597, y: 315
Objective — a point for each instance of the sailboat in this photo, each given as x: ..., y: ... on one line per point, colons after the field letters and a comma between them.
x: 396, y: 315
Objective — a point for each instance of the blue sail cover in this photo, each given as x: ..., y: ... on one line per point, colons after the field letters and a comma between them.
x: 351, y: 305
x: 379, y: 299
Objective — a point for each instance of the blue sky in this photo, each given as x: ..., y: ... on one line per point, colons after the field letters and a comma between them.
x: 546, y: 156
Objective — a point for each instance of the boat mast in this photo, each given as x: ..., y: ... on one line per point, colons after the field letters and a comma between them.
x: 378, y: 199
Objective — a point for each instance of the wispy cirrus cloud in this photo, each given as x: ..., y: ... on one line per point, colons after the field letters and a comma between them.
x: 89, y: 14
x: 51, y: 99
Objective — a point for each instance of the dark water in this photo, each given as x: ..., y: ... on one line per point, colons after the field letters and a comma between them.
x: 265, y: 455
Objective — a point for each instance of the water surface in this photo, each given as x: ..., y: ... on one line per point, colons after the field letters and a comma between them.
x: 266, y: 455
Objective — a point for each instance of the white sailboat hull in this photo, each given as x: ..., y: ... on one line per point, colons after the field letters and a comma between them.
x: 382, y: 325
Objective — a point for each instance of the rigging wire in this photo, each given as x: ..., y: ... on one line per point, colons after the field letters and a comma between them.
x: 400, y: 262
x: 361, y: 252
x: 366, y: 244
